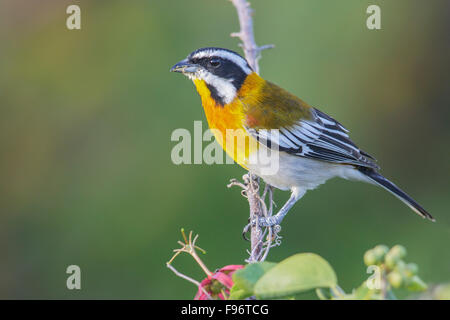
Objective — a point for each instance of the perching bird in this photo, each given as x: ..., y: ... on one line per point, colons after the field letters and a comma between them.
x: 311, y: 147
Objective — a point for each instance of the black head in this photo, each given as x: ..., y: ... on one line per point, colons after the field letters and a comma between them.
x: 223, y: 70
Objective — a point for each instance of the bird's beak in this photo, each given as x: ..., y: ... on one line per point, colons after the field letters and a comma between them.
x: 184, y: 66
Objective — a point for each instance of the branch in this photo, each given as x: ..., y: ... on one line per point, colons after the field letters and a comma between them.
x: 183, y: 276
x: 251, y: 184
x: 189, y: 247
x: 251, y: 50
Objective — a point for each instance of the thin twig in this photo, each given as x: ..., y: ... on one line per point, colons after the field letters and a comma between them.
x: 251, y: 50
x: 189, y: 247
x: 251, y: 187
x: 183, y: 276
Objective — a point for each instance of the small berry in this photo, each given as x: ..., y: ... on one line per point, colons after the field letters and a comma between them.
x: 391, y: 260
x: 399, y: 251
x: 370, y: 258
x: 412, y: 269
x: 395, y: 279
x: 380, y: 252
x: 416, y: 284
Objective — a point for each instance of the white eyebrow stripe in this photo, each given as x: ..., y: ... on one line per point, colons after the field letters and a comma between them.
x: 226, y: 55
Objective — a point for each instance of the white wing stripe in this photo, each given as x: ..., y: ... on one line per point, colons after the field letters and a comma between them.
x: 287, y: 142
x: 342, y: 142
x: 291, y: 137
x: 284, y: 142
x: 326, y: 121
x: 307, y: 125
x: 337, y: 132
x: 323, y: 139
x: 301, y: 134
x: 297, y: 129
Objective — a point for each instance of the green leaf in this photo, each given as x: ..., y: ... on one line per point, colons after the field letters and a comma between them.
x: 238, y: 294
x: 296, y: 274
x: 244, y: 279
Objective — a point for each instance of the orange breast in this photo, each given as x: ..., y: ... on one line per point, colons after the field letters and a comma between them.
x: 259, y: 104
x: 226, y: 122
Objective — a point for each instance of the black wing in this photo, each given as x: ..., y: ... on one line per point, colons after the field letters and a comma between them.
x: 321, y: 138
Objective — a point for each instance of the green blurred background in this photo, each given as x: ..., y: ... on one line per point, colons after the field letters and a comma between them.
x: 86, y: 118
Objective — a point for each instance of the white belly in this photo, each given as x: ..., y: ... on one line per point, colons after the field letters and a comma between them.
x: 287, y: 171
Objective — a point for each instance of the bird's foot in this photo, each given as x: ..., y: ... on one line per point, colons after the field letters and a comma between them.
x: 266, y: 221
x: 263, y: 222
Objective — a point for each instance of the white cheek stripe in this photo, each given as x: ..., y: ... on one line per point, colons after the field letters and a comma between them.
x: 224, y: 87
x: 226, y: 55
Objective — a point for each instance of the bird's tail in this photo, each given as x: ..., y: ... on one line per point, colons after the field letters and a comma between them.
x: 396, y: 191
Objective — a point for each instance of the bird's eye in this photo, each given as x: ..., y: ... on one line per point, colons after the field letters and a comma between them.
x: 214, y: 63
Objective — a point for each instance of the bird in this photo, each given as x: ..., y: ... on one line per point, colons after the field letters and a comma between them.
x: 310, y: 146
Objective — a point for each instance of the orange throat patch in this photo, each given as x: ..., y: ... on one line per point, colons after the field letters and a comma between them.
x: 227, y: 121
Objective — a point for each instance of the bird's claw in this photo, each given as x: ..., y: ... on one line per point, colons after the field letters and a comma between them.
x: 246, y: 230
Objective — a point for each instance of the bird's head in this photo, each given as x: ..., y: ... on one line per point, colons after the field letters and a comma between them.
x: 223, y: 71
